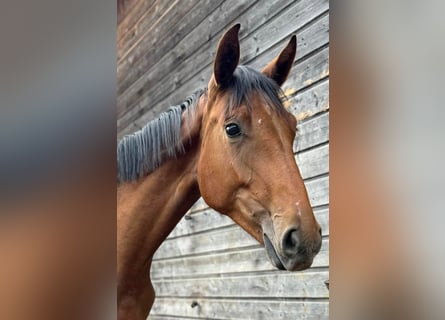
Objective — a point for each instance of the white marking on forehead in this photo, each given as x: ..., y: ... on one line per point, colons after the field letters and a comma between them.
x: 260, y: 121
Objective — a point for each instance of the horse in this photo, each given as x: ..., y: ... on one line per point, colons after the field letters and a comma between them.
x: 231, y: 144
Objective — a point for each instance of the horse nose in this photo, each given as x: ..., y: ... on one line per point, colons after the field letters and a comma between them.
x: 291, y: 241
x: 292, y: 245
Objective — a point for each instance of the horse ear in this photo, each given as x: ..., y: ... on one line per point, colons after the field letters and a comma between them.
x: 227, y: 56
x: 279, y: 68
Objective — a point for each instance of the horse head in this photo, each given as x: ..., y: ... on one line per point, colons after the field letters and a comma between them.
x: 246, y: 167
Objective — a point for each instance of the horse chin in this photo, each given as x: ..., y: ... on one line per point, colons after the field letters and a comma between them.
x: 303, y: 265
x: 272, y: 254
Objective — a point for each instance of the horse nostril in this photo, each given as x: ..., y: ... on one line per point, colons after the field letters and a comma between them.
x: 290, y: 241
x: 319, y: 231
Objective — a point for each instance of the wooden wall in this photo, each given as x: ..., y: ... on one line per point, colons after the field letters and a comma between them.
x: 209, y: 268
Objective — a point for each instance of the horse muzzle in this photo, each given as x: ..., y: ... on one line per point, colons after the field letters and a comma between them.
x: 291, y: 252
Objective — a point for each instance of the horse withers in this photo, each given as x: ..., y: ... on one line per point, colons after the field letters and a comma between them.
x: 230, y: 143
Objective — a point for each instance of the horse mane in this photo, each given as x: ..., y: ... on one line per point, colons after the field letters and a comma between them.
x: 145, y: 150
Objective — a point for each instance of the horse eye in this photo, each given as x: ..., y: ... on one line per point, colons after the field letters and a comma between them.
x: 233, y: 130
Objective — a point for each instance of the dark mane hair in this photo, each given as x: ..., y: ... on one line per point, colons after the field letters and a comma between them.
x: 245, y: 81
x: 145, y: 150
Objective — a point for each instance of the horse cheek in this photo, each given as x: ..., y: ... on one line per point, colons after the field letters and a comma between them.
x: 215, y: 184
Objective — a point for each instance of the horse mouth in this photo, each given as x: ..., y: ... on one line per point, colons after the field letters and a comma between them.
x: 272, y: 254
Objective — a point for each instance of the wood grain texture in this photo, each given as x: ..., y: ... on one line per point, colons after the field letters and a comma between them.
x: 197, y: 40
x: 267, y: 285
x: 242, y: 260
x: 241, y: 309
x: 124, y: 7
x: 182, y: 20
x: 312, y: 132
x: 132, y: 14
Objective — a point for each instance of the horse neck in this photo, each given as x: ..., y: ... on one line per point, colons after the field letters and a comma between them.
x: 150, y: 208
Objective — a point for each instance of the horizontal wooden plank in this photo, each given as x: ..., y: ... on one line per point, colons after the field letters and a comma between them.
x: 229, y: 237
x: 200, y: 221
x: 209, y: 242
x: 185, y: 16
x: 311, y: 70
x: 313, y: 162
x: 201, y: 43
x: 201, y: 36
x: 187, y: 77
x: 123, y: 8
x: 185, y: 85
x: 136, y: 57
x: 249, y: 260
x: 262, y: 55
x: 135, y: 12
x: 241, y: 309
x: 150, y: 20
x: 312, y: 101
x: 279, y: 284
x: 147, y: 18
x: 311, y: 132
x: 310, y: 39
x: 167, y: 317
x: 299, y: 14
x: 318, y: 191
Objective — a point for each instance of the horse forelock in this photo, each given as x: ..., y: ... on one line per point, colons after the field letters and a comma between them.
x: 247, y: 82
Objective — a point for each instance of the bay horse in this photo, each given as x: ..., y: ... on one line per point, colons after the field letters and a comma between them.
x: 231, y: 144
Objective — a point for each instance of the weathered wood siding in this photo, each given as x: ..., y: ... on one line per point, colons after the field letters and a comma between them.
x: 209, y: 268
